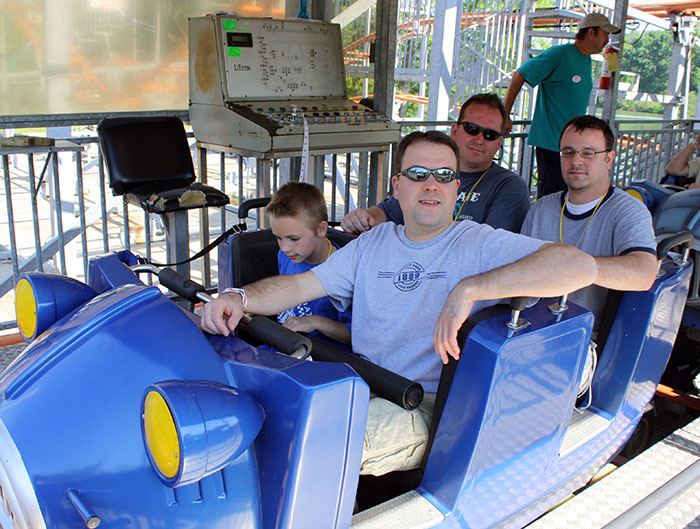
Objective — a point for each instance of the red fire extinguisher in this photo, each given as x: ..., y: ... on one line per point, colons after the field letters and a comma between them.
x: 609, y: 67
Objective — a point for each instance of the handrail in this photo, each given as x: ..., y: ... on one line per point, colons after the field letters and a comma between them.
x: 670, y: 491
x: 87, y: 118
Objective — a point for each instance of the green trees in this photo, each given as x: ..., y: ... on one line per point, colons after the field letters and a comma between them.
x: 649, y: 55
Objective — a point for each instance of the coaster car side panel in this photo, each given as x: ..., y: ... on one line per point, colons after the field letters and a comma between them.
x: 632, y: 362
x: 498, y: 457
x: 510, y: 401
x: 84, y: 386
x: 317, y: 456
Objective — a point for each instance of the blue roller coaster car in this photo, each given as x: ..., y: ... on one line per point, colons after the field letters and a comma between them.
x: 121, y: 413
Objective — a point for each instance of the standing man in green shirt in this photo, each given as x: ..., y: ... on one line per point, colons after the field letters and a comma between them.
x: 563, y: 74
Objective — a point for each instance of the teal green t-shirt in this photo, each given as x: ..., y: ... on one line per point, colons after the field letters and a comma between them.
x: 563, y: 74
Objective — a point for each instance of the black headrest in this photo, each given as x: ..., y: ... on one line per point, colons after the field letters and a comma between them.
x: 142, y: 151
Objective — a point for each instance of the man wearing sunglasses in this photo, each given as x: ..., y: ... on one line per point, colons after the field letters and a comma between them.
x: 595, y: 217
x: 411, y: 287
x: 488, y: 193
x: 563, y: 74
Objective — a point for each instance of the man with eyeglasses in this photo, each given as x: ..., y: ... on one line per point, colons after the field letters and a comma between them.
x: 564, y: 76
x: 488, y: 193
x: 411, y: 287
x: 597, y: 218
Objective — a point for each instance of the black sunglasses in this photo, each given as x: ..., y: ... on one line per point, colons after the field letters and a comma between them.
x: 444, y: 175
x: 473, y: 129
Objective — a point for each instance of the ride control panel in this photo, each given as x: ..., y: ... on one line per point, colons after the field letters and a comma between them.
x: 264, y: 85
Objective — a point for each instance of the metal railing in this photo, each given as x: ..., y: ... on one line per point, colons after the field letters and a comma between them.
x: 642, y: 152
x: 58, y: 210
x: 643, y: 148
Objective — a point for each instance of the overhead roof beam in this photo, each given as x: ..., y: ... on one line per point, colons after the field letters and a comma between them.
x: 353, y: 11
x: 636, y: 14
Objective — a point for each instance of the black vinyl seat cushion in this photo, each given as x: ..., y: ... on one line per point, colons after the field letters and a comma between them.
x: 148, y: 159
x: 180, y: 198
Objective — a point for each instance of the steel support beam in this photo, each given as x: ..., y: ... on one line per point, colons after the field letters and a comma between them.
x: 610, y: 97
x: 683, y: 27
x: 441, y: 59
x: 384, y: 84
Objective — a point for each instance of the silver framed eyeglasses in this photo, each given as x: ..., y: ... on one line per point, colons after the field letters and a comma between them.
x: 585, y: 153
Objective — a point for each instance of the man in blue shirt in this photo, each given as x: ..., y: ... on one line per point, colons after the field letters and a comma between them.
x: 488, y: 193
x: 563, y: 74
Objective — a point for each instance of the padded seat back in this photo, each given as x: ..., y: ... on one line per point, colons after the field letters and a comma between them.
x: 148, y: 159
x: 145, y: 151
x: 680, y: 212
x: 249, y: 256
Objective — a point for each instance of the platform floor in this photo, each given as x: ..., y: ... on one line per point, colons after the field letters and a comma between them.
x: 8, y: 353
x: 620, y: 490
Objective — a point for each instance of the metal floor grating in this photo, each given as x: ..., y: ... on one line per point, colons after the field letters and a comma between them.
x: 408, y: 511
x: 584, y: 425
x: 615, y: 494
x: 8, y: 353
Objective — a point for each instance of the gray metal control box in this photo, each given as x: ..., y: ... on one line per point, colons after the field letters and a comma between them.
x: 258, y: 84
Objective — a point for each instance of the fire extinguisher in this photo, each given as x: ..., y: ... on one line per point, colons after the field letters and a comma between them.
x: 609, y: 67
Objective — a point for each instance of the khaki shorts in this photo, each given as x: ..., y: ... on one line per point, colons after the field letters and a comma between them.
x: 395, y: 438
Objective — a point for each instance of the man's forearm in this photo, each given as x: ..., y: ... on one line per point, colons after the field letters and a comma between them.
x: 554, y: 270
x: 634, y: 271
x: 516, y: 84
x: 678, y: 166
x: 268, y: 296
x: 274, y: 294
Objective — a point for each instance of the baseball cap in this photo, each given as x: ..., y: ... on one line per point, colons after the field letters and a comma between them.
x: 598, y: 20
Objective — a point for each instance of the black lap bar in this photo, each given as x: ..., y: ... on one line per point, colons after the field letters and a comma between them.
x: 180, y: 284
x: 282, y: 339
x: 395, y: 388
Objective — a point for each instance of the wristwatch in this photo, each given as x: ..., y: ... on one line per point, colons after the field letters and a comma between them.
x: 244, y: 298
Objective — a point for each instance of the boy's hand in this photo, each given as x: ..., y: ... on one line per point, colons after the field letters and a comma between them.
x: 221, y: 316
x: 301, y: 323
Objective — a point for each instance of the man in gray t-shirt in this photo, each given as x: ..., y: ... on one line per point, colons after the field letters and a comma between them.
x: 604, y: 222
x: 411, y: 287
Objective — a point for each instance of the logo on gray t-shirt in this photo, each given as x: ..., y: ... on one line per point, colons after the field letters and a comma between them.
x: 410, y: 276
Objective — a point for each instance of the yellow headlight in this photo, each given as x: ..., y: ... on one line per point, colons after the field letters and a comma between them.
x: 25, y: 308
x: 161, y: 435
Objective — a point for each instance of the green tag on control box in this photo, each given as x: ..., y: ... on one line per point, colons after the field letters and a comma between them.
x: 234, y: 51
x: 230, y: 25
